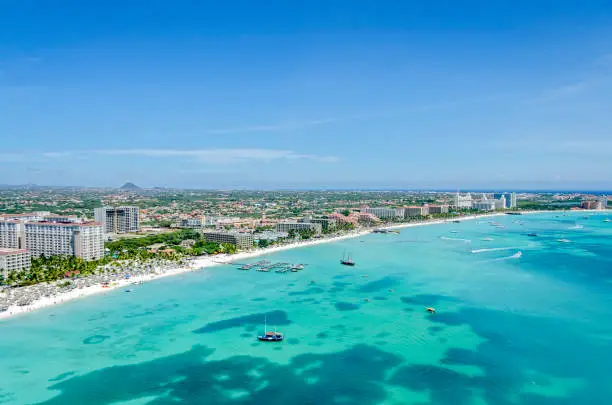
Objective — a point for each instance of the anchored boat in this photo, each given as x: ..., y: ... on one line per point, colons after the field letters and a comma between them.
x: 270, y: 336
x: 347, y: 261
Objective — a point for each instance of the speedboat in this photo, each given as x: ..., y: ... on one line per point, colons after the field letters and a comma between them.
x: 431, y: 310
x: 564, y: 240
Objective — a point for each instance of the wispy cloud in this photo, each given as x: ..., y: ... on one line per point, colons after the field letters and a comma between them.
x: 271, y: 127
x: 11, y: 157
x: 56, y: 154
x: 571, y: 89
x: 391, y: 112
x: 213, y: 156
x: 547, y: 144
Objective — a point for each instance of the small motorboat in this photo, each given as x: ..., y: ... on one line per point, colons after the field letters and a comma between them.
x: 487, y: 239
x: 532, y: 234
x: 607, y: 220
x: 564, y: 240
x: 431, y: 310
x: 270, y: 336
x: 297, y: 267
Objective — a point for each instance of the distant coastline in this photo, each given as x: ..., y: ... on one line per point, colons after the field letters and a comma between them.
x: 218, y: 260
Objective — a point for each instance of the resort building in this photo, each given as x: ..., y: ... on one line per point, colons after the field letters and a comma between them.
x: 438, y: 209
x: 118, y: 219
x: 298, y: 226
x: 484, y: 205
x: 11, y: 234
x: 590, y: 205
x: 509, y: 199
x: 416, y: 211
x: 61, y: 218
x: 240, y: 240
x: 603, y: 201
x: 367, y: 219
x: 326, y: 223
x: 191, y: 223
x: 463, y: 201
x: 384, y: 213
x: 84, y: 240
x: 13, y: 260
x: 341, y: 219
x: 501, y: 203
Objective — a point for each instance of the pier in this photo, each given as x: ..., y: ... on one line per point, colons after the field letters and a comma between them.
x: 267, y: 266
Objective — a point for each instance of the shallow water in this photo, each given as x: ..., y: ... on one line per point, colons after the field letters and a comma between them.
x: 534, y: 328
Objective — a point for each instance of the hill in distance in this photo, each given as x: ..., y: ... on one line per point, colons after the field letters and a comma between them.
x: 130, y: 186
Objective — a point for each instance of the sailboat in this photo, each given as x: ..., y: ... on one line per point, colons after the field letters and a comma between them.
x: 347, y: 261
x: 270, y: 336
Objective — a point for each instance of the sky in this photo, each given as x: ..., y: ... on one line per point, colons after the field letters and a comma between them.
x: 307, y: 94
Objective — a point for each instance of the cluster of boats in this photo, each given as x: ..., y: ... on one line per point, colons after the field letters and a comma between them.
x: 267, y: 266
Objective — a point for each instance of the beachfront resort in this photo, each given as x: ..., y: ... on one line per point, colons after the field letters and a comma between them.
x: 49, y: 256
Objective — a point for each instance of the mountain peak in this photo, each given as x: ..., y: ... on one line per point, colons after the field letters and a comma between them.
x: 130, y: 186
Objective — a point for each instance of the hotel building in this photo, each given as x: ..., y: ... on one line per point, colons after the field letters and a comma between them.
x: 326, y: 223
x: 463, y: 201
x: 13, y: 260
x: 298, y: 226
x: 484, y: 205
x: 11, y: 234
x: 384, y: 213
x: 438, y: 209
x: 191, y: 223
x: 416, y: 211
x: 240, y: 240
x: 118, y: 219
x: 85, y: 241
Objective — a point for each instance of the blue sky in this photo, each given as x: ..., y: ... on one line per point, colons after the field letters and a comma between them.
x: 471, y: 94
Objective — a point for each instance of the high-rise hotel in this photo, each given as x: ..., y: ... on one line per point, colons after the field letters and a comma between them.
x: 54, y: 237
x: 118, y: 219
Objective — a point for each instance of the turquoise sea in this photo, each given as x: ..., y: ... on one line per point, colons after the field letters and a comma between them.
x: 519, y: 320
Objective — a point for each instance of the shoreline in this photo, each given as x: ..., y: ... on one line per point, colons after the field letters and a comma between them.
x: 218, y: 260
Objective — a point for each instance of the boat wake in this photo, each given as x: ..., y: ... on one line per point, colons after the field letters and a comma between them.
x: 456, y: 239
x: 517, y: 255
x: 495, y: 249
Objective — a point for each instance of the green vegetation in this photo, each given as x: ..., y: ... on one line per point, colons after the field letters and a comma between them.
x: 48, y: 269
x: 168, y: 239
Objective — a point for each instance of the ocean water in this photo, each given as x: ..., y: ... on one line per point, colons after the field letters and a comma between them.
x: 519, y: 320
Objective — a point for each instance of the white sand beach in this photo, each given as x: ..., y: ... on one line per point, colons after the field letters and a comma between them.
x: 202, y: 263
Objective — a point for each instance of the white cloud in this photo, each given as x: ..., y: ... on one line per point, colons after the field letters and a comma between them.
x: 271, y: 127
x: 214, y: 156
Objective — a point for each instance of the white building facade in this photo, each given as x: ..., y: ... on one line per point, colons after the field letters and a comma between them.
x: 383, y: 212
x: 85, y: 241
x: 298, y: 226
x: 463, y: 201
x: 13, y: 260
